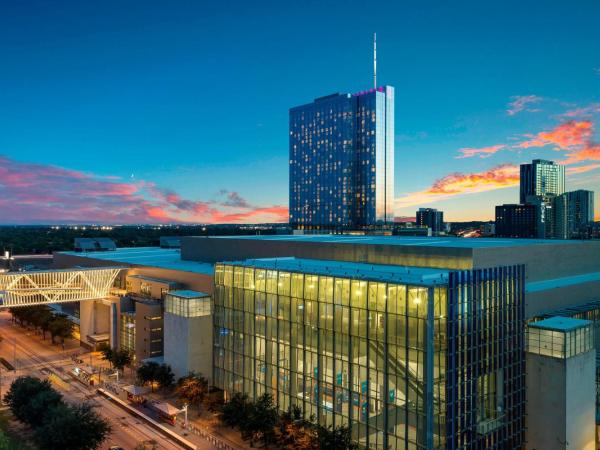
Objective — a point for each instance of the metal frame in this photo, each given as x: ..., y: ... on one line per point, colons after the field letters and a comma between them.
x: 56, y: 286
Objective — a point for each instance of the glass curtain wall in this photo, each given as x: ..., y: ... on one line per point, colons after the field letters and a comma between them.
x: 346, y: 351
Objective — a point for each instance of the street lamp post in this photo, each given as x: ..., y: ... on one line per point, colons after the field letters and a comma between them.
x: 185, y: 410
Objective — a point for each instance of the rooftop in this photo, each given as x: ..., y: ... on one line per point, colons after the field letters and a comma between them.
x: 559, y: 323
x: 186, y: 293
x: 448, y: 242
x: 164, y: 258
x: 373, y: 272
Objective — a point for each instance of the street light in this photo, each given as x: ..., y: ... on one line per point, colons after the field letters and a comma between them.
x: 185, y: 410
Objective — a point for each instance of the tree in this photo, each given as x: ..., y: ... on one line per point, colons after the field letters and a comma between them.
x: 107, y: 352
x: 236, y: 410
x: 338, y: 438
x: 120, y: 359
x: 152, y: 372
x: 45, y: 320
x: 60, y: 327
x: 262, y: 419
x: 72, y: 428
x: 22, y: 398
x: 294, y: 431
x: 192, y: 388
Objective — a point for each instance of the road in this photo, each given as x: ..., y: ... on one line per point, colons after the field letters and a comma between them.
x: 33, y: 356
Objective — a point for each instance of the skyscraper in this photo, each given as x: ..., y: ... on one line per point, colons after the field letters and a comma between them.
x: 574, y: 212
x: 342, y: 161
x: 540, y: 178
x: 431, y: 218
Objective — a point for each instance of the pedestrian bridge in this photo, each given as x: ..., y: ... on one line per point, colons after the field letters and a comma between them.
x: 56, y: 286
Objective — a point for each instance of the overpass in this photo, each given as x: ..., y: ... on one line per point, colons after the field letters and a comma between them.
x: 56, y: 286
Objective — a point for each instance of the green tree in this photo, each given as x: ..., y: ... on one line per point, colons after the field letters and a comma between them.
x: 22, y: 396
x: 60, y: 327
x: 236, y: 410
x: 192, y: 388
x: 338, y: 438
x: 45, y: 319
x: 120, y: 359
x: 107, y: 353
x: 72, y: 428
x: 261, y: 421
x: 154, y: 373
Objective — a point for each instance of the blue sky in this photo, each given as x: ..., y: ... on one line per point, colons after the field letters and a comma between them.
x: 181, y: 108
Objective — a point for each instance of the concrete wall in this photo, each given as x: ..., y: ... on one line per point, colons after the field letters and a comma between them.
x: 144, y: 347
x: 188, y: 345
x: 581, y: 401
x: 561, y: 402
x: 541, y: 302
x: 206, y: 249
x: 557, y: 259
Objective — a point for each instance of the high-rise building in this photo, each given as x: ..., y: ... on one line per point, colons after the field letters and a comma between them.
x: 518, y: 221
x: 342, y: 161
x: 541, y: 177
x: 574, y: 212
x: 432, y: 218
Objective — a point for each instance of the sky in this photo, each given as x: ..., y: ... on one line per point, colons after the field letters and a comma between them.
x: 159, y: 112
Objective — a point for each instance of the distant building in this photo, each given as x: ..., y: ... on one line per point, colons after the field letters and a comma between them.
x: 94, y: 244
x: 574, y: 214
x: 546, y: 220
x: 432, y: 218
x: 540, y: 178
x: 517, y: 221
x: 342, y: 161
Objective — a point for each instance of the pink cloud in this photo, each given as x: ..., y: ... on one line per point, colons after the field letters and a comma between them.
x: 583, y: 169
x: 584, y: 111
x: 484, y: 152
x: 520, y: 103
x: 38, y: 193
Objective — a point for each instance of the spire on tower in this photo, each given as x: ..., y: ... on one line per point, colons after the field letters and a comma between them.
x: 375, y: 60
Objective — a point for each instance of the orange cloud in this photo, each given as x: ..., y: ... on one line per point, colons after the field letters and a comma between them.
x: 591, y: 152
x: 484, y: 152
x: 499, y: 177
x: 564, y: 136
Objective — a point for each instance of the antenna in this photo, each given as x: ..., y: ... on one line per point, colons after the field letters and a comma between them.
x: 375, y: 60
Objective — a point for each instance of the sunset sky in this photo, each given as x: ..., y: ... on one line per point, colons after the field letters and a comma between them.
x: 153, y: 111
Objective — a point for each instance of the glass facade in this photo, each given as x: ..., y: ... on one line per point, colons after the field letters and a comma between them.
x: 541, y: 178
x: 376, y: 354
x: 127, y: 337
x: 342, y: 161
x: 187, y: 305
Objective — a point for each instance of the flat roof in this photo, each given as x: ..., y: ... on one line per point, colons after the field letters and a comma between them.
x: 448, y: 242
x: 560, y: 323
x: 164, y: 258
x: 365, y: 271
x: 186, y: 293
x: 152, y: 279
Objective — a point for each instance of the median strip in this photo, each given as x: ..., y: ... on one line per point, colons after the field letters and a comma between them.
x: 154, y: 424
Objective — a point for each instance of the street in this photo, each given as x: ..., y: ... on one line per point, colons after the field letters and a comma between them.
x: 31, y: 355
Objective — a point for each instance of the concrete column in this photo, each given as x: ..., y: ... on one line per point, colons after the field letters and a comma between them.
x: 87, y: 319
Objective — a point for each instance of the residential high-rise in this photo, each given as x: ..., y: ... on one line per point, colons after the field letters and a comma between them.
x: 574, y: 211
x: 342, y: 161
x: 432, y: 218
x: 518, y: 221
x: 540, y: 178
